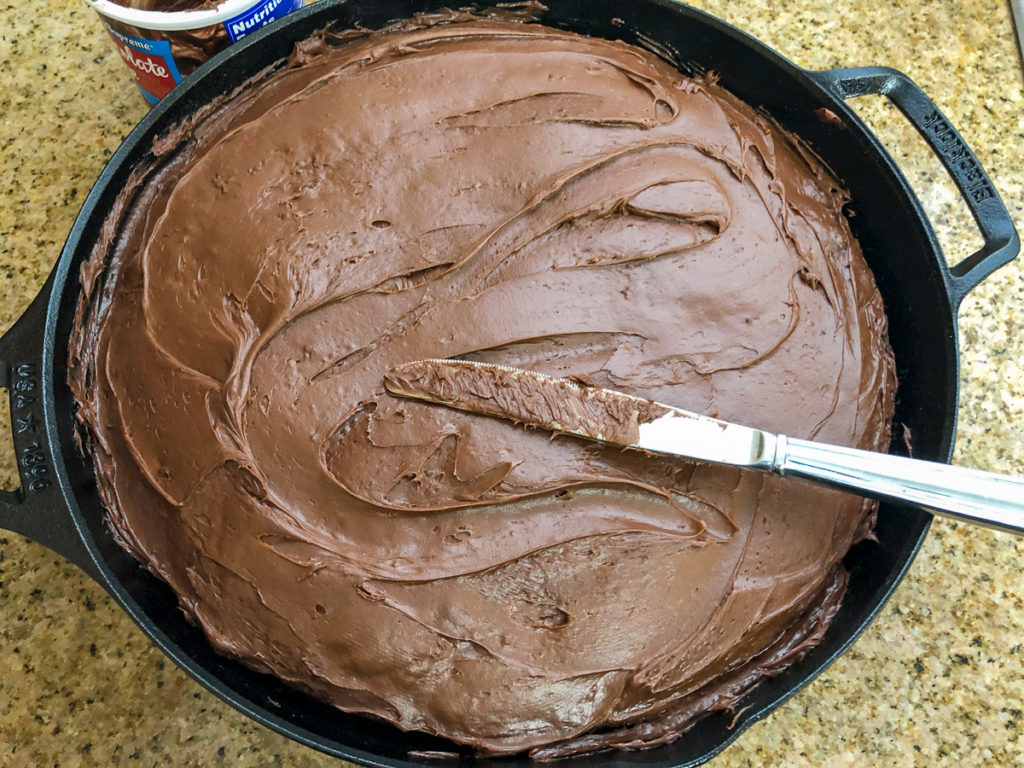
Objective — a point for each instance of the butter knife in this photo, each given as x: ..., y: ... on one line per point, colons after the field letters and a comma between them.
x: 573, y: 407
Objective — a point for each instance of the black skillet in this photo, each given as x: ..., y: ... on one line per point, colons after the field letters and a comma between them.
x: 57, y: 504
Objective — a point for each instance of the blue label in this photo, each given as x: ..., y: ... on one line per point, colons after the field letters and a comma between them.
x: 258, y: 16
x: 150, y: 62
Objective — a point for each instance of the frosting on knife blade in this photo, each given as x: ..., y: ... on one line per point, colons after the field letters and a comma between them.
x: 562, y: 405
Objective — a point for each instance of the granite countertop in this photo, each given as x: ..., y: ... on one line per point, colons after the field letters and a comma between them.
x: 937, y: 680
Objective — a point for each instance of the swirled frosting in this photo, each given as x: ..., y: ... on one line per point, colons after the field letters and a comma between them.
x: 497, y: 192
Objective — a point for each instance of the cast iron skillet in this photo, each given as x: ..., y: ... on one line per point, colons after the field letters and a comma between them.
x: 57, y: 504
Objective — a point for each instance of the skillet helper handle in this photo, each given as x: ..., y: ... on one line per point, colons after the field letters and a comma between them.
x: 970, y: 495
x: 37, y: 509
x: 1001, y: 243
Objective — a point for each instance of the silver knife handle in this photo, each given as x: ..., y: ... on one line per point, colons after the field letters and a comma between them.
x: 983, y: 498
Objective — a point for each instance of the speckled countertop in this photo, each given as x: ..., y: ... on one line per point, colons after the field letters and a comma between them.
x: 937, y: 680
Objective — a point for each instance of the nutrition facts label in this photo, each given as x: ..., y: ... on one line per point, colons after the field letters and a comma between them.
x: 258, y: 16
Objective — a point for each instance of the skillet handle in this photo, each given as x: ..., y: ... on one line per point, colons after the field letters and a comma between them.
x: 1001, y: 243
x: 38, y: 508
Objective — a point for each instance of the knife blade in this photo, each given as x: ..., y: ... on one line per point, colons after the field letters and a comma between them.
x: 574, y: 407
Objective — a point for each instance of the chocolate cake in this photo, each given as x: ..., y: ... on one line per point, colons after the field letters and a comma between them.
x: 501, y: 192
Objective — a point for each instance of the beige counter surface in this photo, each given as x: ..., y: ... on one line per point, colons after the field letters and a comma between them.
x: 937, y: 680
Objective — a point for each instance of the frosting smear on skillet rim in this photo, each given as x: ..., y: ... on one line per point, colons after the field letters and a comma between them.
x: 508, y: 193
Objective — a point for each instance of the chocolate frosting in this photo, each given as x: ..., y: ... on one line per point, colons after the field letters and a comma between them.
x: 506, y: 193
x: 190, y: 47
x: 565, y: 405
x: 169, y: 5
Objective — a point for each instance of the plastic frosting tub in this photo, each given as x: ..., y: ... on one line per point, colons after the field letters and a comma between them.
x: 161, y: 48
